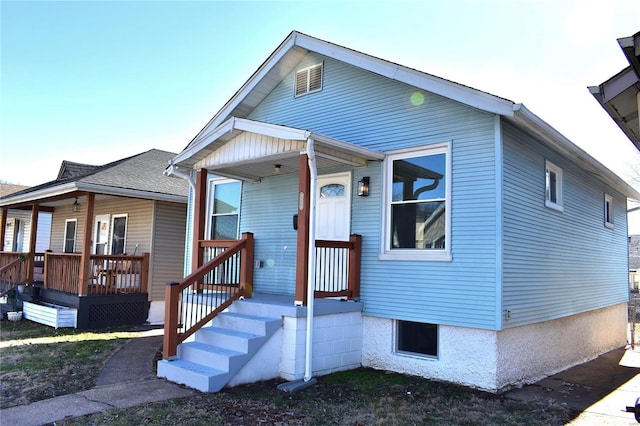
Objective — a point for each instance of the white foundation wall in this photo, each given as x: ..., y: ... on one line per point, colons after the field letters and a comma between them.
x: 528, y: 353
x: 337, y: 344
x: 494, y: 361
x: 156, y: 312
x: 466, y: 356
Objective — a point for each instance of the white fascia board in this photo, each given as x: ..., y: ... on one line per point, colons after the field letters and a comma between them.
x: 37, y: 196
x: 556, y: 140
x: 254, y: 80
x: 130, y: 193
x: 437, y: 85
x: 197, y: 146
x: 347, y: 147
x: 268, y: 129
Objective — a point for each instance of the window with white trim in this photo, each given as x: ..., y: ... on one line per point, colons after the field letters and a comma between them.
x: 417, y: 211
x: 553, y: 186
x: 224, y: 209
x: 70, y: 226
x: 416, y: 338
x: 309, y: 80
x: 119, y: 234
x: 608, y: 211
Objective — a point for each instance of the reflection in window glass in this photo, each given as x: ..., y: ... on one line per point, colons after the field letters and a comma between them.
x: 332, y: 190
x: 418, y: 219
x: 118, y: 236
x: 225, y: 210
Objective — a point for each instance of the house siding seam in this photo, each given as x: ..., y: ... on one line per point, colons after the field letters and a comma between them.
x: 546, y: 277
x: 368, y: 110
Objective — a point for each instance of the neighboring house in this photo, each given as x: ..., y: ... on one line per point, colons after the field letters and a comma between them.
x: 474, y: 242
x: 16, y: 237
x: 117, y: 237
x: 634, y: 262
x: 620, y: 95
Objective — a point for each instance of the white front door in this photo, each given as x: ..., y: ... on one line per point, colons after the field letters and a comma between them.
x: 333, y: 207
x: 333, y: 223
x: 101, y: 229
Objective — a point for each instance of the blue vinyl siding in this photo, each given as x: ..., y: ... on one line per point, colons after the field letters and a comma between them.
x: 557, y: 263
x: 267, y: 211
x: 365, y: 109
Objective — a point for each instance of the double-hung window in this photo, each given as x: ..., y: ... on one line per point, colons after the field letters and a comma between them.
x: 70, y: 226
x: 224, y: 209
x: 417, y: 210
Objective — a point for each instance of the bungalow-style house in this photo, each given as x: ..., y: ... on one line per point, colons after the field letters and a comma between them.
x: 349, y: 211
x: 117, y: 236
x: 16, y: 237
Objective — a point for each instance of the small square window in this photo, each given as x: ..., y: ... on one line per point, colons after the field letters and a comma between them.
x: 608, y: 211
x: 553, y: 186
x: 417, y: 338
x: 308, y: 80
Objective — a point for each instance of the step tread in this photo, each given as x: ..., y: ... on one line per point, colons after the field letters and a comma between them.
x: 195, y: 368
x: 250, y: 317
x: 213, y: 349
x: 230, y: 332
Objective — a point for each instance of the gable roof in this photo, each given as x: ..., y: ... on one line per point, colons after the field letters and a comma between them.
x: 297, y: 45
x: 69, y: 169
x: 620, y: 95
x: 138, y: 176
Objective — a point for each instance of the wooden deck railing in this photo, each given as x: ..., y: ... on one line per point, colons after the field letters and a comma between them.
x: 338, y: 268
x: 13, y: 270
x: 197, y: 299
x: 62, y: 272
x: 110, y: 274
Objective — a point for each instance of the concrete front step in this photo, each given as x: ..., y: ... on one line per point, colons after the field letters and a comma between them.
x: 228, y: 338
x: 194, y: 375
x: 219, y: 352
x: 202, y: 353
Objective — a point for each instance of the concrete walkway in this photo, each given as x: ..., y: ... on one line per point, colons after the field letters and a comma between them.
x: 128, y: 379
x: 600, y: 390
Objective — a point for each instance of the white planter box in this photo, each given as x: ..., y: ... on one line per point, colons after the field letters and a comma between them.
x: 50, y: 314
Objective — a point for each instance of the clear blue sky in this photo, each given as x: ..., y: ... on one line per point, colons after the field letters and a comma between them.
x: 93, y: 82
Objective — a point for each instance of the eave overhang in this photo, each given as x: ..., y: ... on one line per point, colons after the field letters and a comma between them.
x: 620, y: 95
x: 230, y: 150
x: 64, y: 193
x: 530, y: 122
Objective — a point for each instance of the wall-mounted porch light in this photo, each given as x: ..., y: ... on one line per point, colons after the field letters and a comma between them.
x: 75, y: 206
x: 363, y: 187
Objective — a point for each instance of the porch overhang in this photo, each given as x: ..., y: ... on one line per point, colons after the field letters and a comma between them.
x: 251, y: 150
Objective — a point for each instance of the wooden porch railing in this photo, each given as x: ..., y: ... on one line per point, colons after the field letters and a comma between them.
x: 13, y: 270
x: 110, y: 274
x: 338, y: 268
x: 226, y: 276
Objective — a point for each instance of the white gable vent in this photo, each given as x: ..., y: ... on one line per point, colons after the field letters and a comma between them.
x: 309, y: 80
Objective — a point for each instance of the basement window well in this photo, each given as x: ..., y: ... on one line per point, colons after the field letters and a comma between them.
x: 416, y: 338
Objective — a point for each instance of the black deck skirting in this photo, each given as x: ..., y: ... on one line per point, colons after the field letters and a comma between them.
x: 100, y: 311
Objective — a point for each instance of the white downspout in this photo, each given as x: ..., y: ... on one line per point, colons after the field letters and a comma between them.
x: 173, y: 170
x: 312, y: 259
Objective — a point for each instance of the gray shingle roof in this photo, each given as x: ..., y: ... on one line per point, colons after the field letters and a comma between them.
x: 141, y: 172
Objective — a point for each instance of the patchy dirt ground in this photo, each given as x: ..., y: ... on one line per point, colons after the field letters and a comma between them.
x: 39, y: 363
